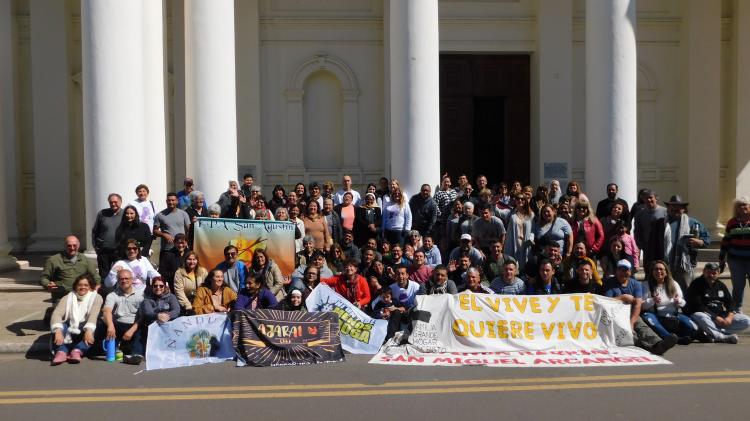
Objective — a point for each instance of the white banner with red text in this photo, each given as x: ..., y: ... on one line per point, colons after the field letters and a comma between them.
x: 519, y: 331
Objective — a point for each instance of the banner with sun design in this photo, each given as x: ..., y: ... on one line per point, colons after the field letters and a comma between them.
x: 264, y: 338
x: 275, y: 237
x: 187, y: 341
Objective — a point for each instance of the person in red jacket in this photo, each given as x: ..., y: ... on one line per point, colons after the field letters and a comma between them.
x: 350, y: 285
x: 588, y: 229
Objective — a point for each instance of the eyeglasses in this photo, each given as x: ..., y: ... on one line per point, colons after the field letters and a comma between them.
x: 123, y: 279
x: 131, y: 248
x: 231, y: 253
x: 157, y: 286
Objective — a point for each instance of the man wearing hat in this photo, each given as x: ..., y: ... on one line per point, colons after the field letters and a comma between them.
x: 622, y: 286
x: 183, y: 196
x: 466, y: 247
x: 687, y: 235
x: 713, y: 307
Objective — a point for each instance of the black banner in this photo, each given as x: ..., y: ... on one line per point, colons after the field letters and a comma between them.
x: 264, y: 338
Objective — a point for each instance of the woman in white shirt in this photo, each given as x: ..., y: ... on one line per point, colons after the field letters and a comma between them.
x: 396, y: 218
x: 143, y: 271
x: 662, y: 302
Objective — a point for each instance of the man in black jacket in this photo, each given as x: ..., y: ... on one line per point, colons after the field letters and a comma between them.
x: 713, y: 307
x: 103, y: 233
x: 424, y: 211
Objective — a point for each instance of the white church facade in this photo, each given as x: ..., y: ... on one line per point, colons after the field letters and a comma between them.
x: 97, y: 96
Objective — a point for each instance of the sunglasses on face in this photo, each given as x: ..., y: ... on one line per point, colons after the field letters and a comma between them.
x: 231, y: 253
x: 157, y: 286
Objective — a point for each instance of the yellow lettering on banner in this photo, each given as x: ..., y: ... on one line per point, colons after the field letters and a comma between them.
x: 588, y: 302
x: 574, y: 329
x: 463, y: 302
x: 528, y: 330
x: 476, y: 333
x: 502, y: 329
x: 506, y: 301
x: 493, y: 303
x: 552, y: 303
x: 491, y: 329
x: 560, y: 331
x: 577, y: 300
x: 520, y: 305
x: 590, y: 330
x: 474, y: 305
x: 460, y: 328
x: 547, y: 330
x: 515, y: 329
x: 535, y: 307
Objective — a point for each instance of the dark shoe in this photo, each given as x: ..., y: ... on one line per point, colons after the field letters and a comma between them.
x: 731, y: 339
x: 664, y: 345
x: 132, y: 359
x: 703, y: 338
x: 684, y: 340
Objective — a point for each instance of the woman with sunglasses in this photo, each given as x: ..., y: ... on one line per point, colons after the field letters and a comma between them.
x: 159, y: 304
x: 143, y: 271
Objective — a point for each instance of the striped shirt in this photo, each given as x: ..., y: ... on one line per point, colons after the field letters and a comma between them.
x: 736, y: 241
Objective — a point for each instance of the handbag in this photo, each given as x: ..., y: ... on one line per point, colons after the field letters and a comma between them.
x: 669, y: 322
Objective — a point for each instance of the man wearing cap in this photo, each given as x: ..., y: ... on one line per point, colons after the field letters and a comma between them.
x: 687, y: 235
x: 713, y: 307
x: 466, y: 247
x: 623, y: 287
x: 649, y: 226
x: 183, y: 196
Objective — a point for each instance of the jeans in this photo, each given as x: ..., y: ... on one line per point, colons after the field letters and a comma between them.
x: 706, y: 323
x: 686, y: 327
x: 740, y: 271
x: 76, y: 342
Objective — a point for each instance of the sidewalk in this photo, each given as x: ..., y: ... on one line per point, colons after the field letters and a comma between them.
x: 23, y: 303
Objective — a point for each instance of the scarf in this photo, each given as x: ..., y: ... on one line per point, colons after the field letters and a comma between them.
x: 681, y: 250
x: 76, y: 311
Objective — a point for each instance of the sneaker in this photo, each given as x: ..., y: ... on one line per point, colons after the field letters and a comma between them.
x: 75, y: 356
x: 684, y: 340
x: 134, y: 359
x: 60, y: 357
x: 731, y: 339
x: 664, y: 345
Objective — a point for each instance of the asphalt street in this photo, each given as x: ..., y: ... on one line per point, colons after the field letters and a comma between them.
x: 706, y: 381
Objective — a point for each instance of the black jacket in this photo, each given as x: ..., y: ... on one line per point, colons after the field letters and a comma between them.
x: 716, y: 300
x: 423, y: 213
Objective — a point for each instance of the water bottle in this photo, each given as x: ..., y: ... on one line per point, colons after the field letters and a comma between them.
x: 109, y: 347
x: 118, y: 354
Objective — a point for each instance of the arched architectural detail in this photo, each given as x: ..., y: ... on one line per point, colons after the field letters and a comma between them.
x: 294, y: 97
x: 323, y: 61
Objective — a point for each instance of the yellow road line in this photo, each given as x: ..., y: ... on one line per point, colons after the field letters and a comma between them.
x: 376, y: 392
x: 329, y: 386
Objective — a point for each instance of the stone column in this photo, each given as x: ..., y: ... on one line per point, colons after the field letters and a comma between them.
x: 6, y: 95
x: 50, y: 90
x: 414, y: 60
x: 742, y: 137
x: 113, y: 123
x: 555, y: 72
x: 702, y: 46
x: 154, y: 107
x: 210, y: 95
x: 611, y: 95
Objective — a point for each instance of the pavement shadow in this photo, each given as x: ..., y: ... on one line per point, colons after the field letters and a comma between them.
x: 40, y: 349
x: 19, y: 328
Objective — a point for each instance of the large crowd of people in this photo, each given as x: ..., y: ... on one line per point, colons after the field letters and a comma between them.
x: 380, y: 248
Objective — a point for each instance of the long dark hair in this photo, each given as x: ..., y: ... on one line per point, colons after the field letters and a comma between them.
x: 669, y: 282
x: 124, y: 224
